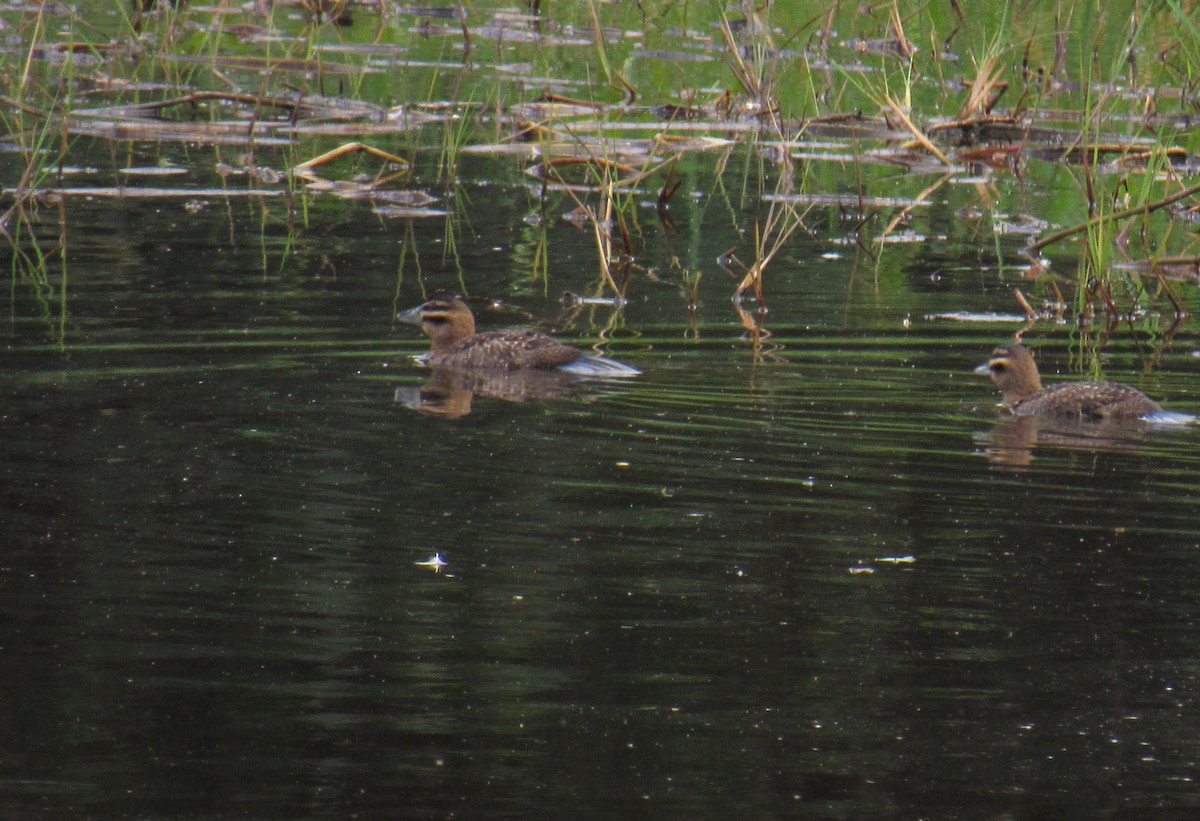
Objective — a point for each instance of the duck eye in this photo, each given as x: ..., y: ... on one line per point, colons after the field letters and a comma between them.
x: 999, y: 367
x: 435, y: 319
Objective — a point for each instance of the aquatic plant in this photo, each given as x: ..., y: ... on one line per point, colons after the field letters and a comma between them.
x: 862, y: 120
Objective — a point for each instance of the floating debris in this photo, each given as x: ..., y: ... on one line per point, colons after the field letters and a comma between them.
x: 1023, y: 225
x: 131, y: 192
x: 845, y: 200
x: 435, y: 562
x: 154, y: 171
x: 570, y: 299
x: 906, y: 237
x: 867, y: 569
x: 670, y: 111
x: 407, y: 212
x: 974, y: 316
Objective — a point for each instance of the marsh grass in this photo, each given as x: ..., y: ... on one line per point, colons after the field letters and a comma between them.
x: 1101, y: 92
x: 43, y: 144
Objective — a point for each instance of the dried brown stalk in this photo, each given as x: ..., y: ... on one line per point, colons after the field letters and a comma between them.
x: 903, y: 44
x: 986, y: 89
x: 741, y: 72
x: 1030, y: 313
x: 916, y: 132
x: 349, y: 148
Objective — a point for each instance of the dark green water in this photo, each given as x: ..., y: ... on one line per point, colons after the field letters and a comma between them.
x: 656, y: 602
x: 816, y: 578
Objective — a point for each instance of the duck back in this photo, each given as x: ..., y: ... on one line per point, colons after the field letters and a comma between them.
x: 504, y: 350
x: 1088, y: 400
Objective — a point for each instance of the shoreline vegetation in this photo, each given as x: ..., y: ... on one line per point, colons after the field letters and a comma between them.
x: 851, y: 115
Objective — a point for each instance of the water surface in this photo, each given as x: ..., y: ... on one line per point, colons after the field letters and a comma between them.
x: 812, y: 575
x: 786, y: 583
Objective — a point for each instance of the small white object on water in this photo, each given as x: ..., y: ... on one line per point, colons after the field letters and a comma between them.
x: 435, y: 561
x: 972, y: 316
x: 897, y: 560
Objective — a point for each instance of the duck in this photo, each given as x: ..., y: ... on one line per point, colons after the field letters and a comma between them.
x: 449, y: 323
x: 1015, y: 373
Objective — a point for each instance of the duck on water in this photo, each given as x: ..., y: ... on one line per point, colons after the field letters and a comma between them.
x: 1015, y: 373
x: 450, y: 325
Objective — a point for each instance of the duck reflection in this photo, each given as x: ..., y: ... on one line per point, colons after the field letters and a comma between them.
x: 451, y: 391
x: 1013, y: 438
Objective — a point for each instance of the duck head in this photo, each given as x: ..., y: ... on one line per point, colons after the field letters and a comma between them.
x: 1015, y: 373
x: 445, y: 321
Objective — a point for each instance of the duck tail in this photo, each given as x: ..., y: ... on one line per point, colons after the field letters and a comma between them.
x: 600, y: 367
x: 1166, y: 417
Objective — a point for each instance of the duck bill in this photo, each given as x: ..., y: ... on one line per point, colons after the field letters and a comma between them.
x: 984, y: 370
x: 412, y: 316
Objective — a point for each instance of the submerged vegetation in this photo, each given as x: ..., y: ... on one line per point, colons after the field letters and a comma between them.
x: 1062, y: 135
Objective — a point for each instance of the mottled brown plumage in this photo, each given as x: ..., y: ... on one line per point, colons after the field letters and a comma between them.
x: 1015, y: 373
x: 451, y: 327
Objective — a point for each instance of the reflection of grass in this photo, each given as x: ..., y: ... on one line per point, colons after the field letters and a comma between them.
x: 456, y: 132
x: 771, y: 235
x: 756, y: 75
x: 42, y: 144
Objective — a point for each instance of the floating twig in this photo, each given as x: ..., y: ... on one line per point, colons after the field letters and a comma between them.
x: 349, y: 148
x: 1133, y: 211
x: 1030, y: 313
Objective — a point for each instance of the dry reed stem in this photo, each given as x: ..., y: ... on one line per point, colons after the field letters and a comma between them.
x: 1030, y: 313
x: 25, y: 108
x: 733, y: 58
x: 903, y: 43
x: 1133, y: 211
x: 917, y: 200
x: 607, y: 186
x: 916, y: 132
x: 604, y: 237
x: 611, y: 74
x: 974, y: 122
x: 779, y: 214
x: 349, y: 148
x: 225, y: 96
x: 625, y: 171
x: 559, y: 98
x: 979, y: 99
x: 1191, y: 261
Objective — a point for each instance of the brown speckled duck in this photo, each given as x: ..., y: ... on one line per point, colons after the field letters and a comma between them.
x: 1015, y: 373
x: 451, y: 326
